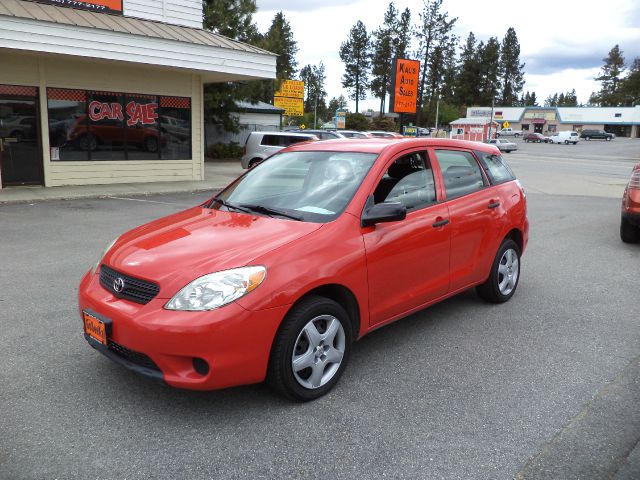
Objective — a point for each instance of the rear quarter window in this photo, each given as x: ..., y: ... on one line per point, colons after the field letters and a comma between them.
x: 495, y: 167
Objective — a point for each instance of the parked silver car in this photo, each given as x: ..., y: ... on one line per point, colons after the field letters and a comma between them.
x: 260, y: 145
x: 503, y: 145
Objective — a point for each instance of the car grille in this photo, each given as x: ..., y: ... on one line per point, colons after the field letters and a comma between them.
x: 136, y: 290
x: 131, y: 356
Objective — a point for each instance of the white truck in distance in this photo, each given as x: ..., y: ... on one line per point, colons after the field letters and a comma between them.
x: 508, y: 132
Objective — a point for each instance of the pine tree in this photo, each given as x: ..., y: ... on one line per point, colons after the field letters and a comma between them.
x: 610, y: 77
x: 315, y: 99
x: 339, y: 103
x: 231, y: 18
x: 490, y: 71
x: 630, y: 86
x: 466, y: 90
x: 279, y: 40
x: 356, y: 55
x: 382, y: 56
x: 512, y: 69
x: 433, y: 31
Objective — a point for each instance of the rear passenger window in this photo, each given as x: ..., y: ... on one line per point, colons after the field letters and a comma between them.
x: 461, y: 173
x: 409, y: 180
x: 273, y: 141
x: 496, y: 168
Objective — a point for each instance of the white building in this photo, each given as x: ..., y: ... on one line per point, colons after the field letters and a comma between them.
x: 110, y: 91
x: 623, y: 121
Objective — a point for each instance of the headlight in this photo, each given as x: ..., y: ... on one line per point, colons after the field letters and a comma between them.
x: 217, y: 289
x: 95, y: 267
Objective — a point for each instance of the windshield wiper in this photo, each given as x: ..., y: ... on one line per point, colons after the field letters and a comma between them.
x: 229, y: 206
x: 271, y: 211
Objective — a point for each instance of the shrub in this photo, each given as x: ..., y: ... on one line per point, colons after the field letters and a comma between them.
x: 225, y: 150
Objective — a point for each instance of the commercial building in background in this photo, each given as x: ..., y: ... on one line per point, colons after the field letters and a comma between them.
x: 110, y: 91
x: 623, y: 121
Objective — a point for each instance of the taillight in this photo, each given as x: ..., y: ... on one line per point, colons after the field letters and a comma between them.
x: 635, y: 179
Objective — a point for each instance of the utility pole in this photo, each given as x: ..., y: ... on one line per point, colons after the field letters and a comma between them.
x: 315, y: 113
x: 437, y: 112
x: 491, y: 117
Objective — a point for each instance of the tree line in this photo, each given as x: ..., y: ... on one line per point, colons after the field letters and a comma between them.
x: 454, y: 72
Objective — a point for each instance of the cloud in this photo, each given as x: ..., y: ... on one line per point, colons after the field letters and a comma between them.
x: 546, y: 62
x: 301, y: 6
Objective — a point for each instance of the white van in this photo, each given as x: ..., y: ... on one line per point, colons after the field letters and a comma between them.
x: 565, y: 137
x: 260, y: 145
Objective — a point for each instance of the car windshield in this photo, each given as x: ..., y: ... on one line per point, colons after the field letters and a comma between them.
x: 305, y: 186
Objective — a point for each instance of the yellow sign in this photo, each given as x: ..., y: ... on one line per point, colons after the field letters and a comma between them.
x: 290, y: 89
x: 505, y: 125
x: 293, y: 107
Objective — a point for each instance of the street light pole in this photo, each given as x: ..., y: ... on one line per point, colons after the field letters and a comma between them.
x: 491, y: 117
x: 437, y: 113
x: 315, y: 113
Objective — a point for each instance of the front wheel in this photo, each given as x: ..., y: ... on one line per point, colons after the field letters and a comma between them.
x: 504, y: 276
x: 517, y: 135
x: 608, y: 139
x: 311, y: 349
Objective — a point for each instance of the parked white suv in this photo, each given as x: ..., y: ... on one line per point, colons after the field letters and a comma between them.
x: 565, y: 137
x: 260, y: 145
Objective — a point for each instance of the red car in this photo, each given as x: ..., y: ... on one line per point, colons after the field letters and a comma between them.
x: 277, y: 275
x: 630, y: 221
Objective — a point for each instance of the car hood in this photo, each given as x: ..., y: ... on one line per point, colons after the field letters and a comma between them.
x: 198, y: 241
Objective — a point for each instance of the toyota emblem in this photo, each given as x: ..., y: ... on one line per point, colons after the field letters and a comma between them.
x: 118, y: 284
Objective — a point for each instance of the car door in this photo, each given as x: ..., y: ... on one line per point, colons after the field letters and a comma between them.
x: 476, y: 213
x: 408, y: 260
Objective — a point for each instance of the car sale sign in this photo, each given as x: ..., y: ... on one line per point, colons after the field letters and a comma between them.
x: 100, y: 6
x: 404, y: 89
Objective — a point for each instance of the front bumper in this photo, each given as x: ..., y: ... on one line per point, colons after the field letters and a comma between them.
x: 233, y: 341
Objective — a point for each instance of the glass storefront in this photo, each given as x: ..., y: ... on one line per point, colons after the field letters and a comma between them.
x: 92, y: 125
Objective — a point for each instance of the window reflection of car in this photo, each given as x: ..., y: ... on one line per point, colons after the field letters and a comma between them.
x: 19, y: 127
x: 175, y: 127
x: 111, y: 132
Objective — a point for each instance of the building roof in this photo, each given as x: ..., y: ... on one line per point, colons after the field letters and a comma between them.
x: 122, y: 24
x: 472, y: 121
x: 257, y: 107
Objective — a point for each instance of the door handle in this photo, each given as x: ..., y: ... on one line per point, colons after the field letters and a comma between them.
x: 440, y: 223
x: 494, y: 203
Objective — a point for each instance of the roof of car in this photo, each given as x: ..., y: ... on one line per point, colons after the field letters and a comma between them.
x: 378, y: 145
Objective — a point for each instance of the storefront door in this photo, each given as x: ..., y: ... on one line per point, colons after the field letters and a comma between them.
x: 20, y: 155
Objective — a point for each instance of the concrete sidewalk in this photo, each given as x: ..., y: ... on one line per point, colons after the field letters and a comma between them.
x: 217, y: 175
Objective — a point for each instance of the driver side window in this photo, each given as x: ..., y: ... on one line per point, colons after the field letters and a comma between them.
x: 409, y: 180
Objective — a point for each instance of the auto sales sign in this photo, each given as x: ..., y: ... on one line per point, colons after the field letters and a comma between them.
x: 100, y: 6
x: 404, y: 86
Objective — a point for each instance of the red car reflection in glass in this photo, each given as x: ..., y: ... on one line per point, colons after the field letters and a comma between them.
x: 277, y: 276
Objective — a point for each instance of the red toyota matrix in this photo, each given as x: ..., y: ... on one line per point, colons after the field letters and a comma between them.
x: 276, y: 276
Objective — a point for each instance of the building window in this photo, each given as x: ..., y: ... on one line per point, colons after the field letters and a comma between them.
x: 618, y: 115
x: 67, y: 124
x: 525, y: 127
x: 577, y: 128
x: 553, y: 128
x: 91, y: 125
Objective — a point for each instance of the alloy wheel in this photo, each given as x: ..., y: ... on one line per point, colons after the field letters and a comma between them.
x: 508, y: 271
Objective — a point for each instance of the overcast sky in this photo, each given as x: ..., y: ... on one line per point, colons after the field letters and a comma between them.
x: 562, y: 43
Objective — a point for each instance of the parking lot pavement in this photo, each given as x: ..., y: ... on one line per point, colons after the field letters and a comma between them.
x: 461, y: 390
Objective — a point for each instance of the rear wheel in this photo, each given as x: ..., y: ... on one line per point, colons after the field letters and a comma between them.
x: 587, y: 138
x: 608, y: 139
x: 629, y: 233
x: 311, y: 349
x: 504, y: 276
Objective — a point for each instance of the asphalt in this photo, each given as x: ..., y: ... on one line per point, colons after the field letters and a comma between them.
x: 217, y: 175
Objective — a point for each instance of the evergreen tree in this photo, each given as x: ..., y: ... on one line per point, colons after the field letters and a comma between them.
x: 466, y: 85
x: 551, y: 101
x: 279, y: 40
x: 355, y: 53
x: 433, y: 31
x: 490, y: 71
x: 610, y: 78
x: 630, y: 86
x: 382, y: 55
x: 231, y: 18
x: 512, y: 69
x: 314, y: 79
x: 339, y: 103
x: 402, y: 35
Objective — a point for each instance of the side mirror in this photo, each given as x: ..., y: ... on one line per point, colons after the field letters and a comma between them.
x: 382, y: 212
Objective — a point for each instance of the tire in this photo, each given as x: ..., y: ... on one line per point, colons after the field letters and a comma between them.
x: 587, y: 138
x: 88, y: 143
x: 504, y: 276
x: 539, y: 141
x: 151, y: 144
x: 516, y: 135
x: 316, y: 335
x: 566, y: 142
x: 608, y: 139
x: 629, y: 233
